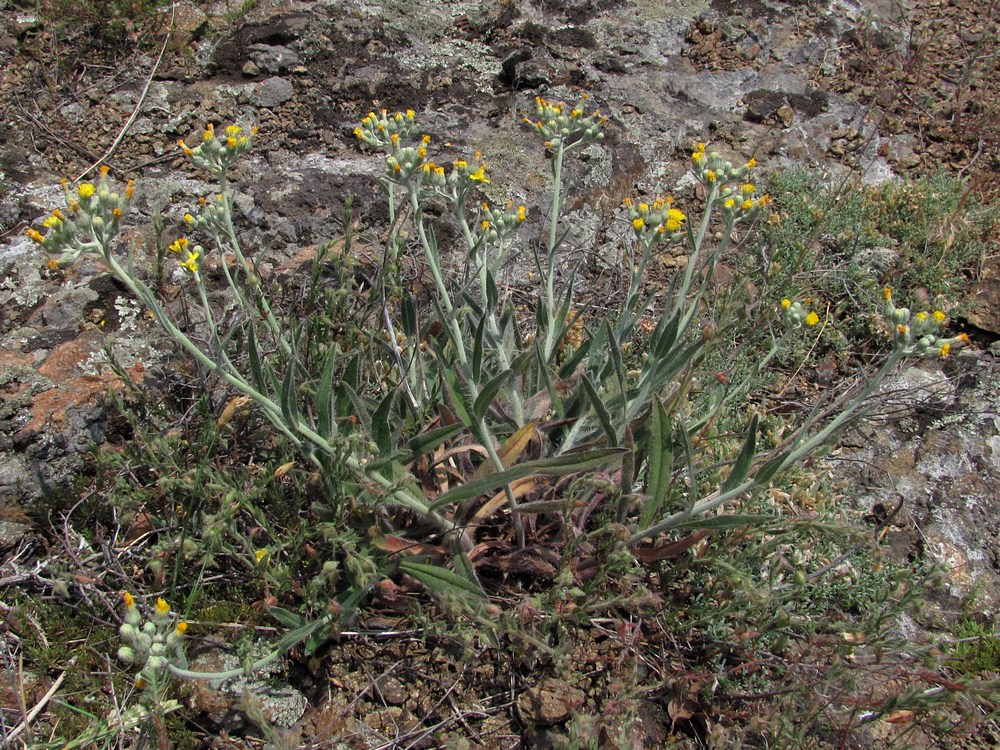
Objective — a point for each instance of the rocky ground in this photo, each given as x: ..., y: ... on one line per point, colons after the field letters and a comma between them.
x: 872, y: 88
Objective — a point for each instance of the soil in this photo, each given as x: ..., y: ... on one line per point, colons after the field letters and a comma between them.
x: 873, y: 87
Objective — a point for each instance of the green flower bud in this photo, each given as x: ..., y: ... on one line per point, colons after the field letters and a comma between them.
x: 126, y: 654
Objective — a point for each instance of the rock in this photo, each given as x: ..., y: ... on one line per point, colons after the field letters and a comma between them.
x: 11, y: 534
x: 551, y: 702
x: 273, y: 92
x: 985, y: 308
x: 251, y: 70
x: 785, y: 116
x: 272, y: 58
x: 281, y: 704
x: 762, y: 104
x: 392, y: 690
x: 18, y: 480
x: 64, y: 309
x: 189, y: 23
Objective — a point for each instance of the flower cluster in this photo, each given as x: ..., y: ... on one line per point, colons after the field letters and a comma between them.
x: 496, y: 223
x: 797, y: 314
x: 378, y: 130
x: 917, y: 334
x: 656, y: 221
x: 211, y: 216
x: 154, y: 643
x: 561, y: 125
x: 215, y: 154
x: 90, y: 221
x: 742, y: 202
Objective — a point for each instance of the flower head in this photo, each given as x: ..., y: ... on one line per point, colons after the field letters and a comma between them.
x: 564, y: 126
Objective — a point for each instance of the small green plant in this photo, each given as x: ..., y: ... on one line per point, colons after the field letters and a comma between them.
x: 977, y: 648
x: 607, y: 420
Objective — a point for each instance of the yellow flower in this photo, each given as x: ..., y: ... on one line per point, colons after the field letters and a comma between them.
x: 233, y: 131
x: 182, y: 628
x: 52, y: 221
x: 189, y: 218
x: 638, y: 223
x: 129, y: 600
x: 479, y: 175
x: 710, y: 175
x: 812, y: 319
x: 902, y: 329
x: 888, y: 293
x: 729, y: 203
x: 697, y: 157
x: 261, y: 554
x: 104, y: 170
x: 485, y: 224
x: 939, y: 316
x: 786, y: 303
x: 747, y: 205
x: 963, y: 337
x: 921, y: 316
x: 181, y: 243
x: 751, y: 164
x: 191, y: 264
x: 946, y: 350
x: 748, y: 189
x: 35, y: 235
x: 359, y: 132
x: 675, y: 217
x: 410, y: 114
x: 232, y: 142
x: 162, y: 608
x: 522, y: 213
x: 86, y: 190
x: 129, y: 189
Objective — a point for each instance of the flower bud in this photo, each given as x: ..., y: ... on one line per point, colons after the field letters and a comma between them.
x: 126, y: 654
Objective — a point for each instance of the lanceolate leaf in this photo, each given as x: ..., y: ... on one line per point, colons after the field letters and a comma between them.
x: 602, y: 413
x: 489, y: 392
x: 725, y: 522
x: 661, y: 463
x: 743, y: 461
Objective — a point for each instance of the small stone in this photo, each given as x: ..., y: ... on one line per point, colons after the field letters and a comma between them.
x: 786, y: 115
x: 551, y: 702
x: 250, y: 69
x: 391, y: 690
x: 274, y: 92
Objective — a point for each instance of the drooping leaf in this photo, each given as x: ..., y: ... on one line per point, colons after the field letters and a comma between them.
x: 510, y: 451
x: 569, y: 463
x: 441, y: 581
